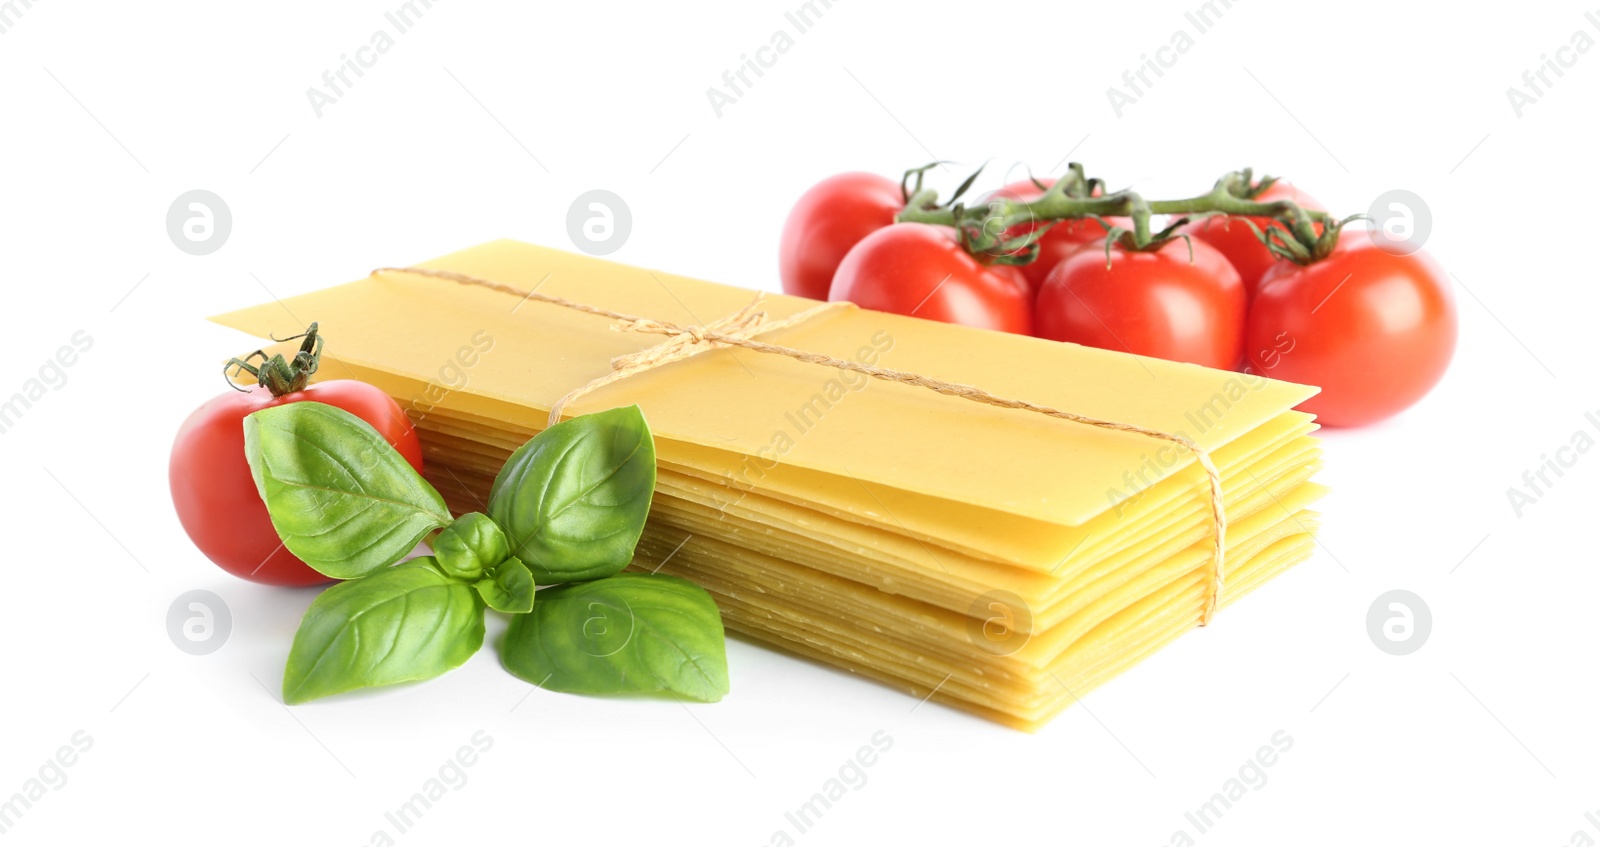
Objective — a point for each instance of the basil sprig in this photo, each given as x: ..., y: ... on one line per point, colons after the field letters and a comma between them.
x: 566, y: 511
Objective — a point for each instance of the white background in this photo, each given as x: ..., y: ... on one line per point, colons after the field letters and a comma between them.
x: 486, y: 120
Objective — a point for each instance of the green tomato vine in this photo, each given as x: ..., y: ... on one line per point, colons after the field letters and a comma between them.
x: 1003, y: 230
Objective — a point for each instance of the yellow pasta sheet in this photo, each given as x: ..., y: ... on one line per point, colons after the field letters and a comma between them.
x: 773, y: 409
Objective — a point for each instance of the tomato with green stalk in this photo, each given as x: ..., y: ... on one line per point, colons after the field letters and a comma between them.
x: 1238, y: 238
x: 212, y: 489
x: 925, y: 271
x: 1062, y: 239
x: 1177, y: 300
x: 1374, y: 329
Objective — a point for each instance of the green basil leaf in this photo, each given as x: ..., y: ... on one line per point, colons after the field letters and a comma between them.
x: 630, y: 633
x: 401, y: 624
x: 470, y: 547
x: 340, y: 497
x: 574, y: 498
x: 510, y: 589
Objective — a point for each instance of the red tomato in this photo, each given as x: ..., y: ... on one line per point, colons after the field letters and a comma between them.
x: 1013, y: 273
x: 922, y: 270
x: 216, y: 498
x: 1063, y: 239
x: 1156, y: 303
x: 829, y: 219
x: 1374, y: 330
x: 1238, y: 242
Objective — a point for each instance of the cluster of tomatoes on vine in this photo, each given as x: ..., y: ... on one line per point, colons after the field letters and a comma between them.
x: 1254, y: 276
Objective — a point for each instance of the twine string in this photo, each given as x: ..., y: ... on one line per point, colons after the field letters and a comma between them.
x: 739, y: 329
x: 683, y: 343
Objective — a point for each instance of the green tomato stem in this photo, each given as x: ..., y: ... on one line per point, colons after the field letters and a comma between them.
x: 1066, y: 199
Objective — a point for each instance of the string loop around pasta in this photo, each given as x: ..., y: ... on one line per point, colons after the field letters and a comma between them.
x: 739, y: 330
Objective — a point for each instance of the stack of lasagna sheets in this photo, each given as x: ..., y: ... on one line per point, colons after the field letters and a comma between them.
x: 1001, y: 561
